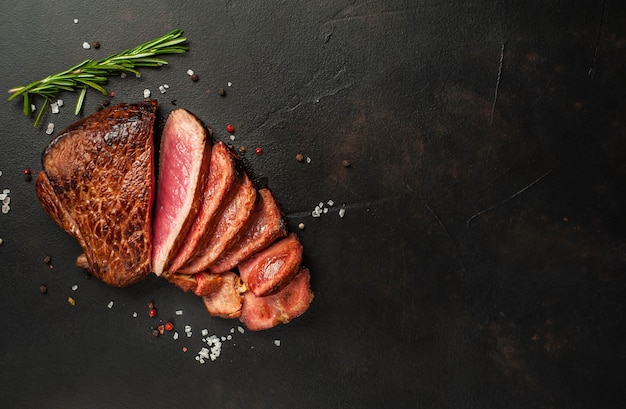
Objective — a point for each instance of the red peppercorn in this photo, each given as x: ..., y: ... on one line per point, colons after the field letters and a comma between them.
x: 26, y: 171
x: 152, y: 312
x: 112, y: 94
x: 230, y: 128
x: 169, y: 326
x: 258, y: 151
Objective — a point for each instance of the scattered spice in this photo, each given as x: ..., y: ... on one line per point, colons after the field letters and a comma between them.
x: 301, y: 226
x: 169, y: 326
x: 300, y: 157
x: 161, y: 329
x: 184, y: 349
x: 47, y: 259
x: 71, y: 301
x: 230, y: 128
x: 155, y: 332
x: 112, y: 94
x: 194, y: 77
x: 221, y: 92
x: 242, y: 149
x: 258, y: 151
x: 152, y: 312
x: 346, y: 163
x: 43, y: 289
x: 95, y: 44
x: 28, y: 176
x: 1, y: 241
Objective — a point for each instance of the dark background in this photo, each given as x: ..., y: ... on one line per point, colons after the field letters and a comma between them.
x: 481, y: 259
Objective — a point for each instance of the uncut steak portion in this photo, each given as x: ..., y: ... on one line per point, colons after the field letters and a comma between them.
x: 184, y: 164
x: 97, y: 183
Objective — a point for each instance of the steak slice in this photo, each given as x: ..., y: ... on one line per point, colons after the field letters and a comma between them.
x: 271, y: 269
x: 265, y: 226
x: 223, y: 173
x: 229, y: 223
x: 259, y: 313
x: 225, y: 299
x: 97, y: 183
x: 183, y: 171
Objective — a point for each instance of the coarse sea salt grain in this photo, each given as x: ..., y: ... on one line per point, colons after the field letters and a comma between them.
x: 86, y: 45
x: 179, y: 312
x: 75, y: 21
x: 60, y: 102
x: 146, y: 93
x: 135, y: 314
x: 277, y: 342
x: 342, y: 212
x: 74, y: 287
x: 110, y: 304
x: 190, y: 72
x: 54, y: 107
x: 162, y: 89
x: 240, y: 329
x: 50, y: 128
x: 175, y: 336
x: 2, y: 196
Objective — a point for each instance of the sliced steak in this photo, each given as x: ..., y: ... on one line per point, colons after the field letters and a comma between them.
x: 186, y: 282
x: 225, y: 299
x: 223, y: 173
x: 264, y: 227
x: 259, y: 313
x: 271, y: 269
x: 228, y: 224
x: 183, y: 171
x: 97, y: 183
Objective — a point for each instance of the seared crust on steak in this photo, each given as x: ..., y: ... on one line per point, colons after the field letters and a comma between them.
x: 97, y: 184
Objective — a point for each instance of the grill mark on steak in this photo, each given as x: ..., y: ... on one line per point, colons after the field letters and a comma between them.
x: 223, y: 174
x: 266, y: 225
x: 230, y: 221
x: 183, y: 170
x: 97, y: 184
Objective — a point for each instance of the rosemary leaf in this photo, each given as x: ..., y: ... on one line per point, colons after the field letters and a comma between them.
x: 94, y: 74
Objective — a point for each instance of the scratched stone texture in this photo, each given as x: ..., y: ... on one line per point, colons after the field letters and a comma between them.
x: 481, y: 260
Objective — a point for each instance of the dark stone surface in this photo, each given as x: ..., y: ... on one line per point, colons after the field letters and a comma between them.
x: 481, y: 259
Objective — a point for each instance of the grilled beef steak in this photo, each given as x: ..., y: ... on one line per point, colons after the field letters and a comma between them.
x: 265, y: 226
x: 230, y: 221
x: 223, y: 174
x: 184, y: 161
x: 213, y: 233
x: 260, y: 313
x: 271, y: 269
x: 97, y: 184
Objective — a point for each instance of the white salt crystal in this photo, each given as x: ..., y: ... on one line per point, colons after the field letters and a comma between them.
x: 86, y: 45
x: 230, y: 84
x: 146, y: 93
x: 240, y: 329
x: 2, y: 196
x: 326, y: 210
x: 74, y: 287
x: 308, y: 160
x: 60, y: 102
x: 229, y: 337
x: 33, y: 107
x: 75, y: 21
x: 162, y: 89
x: 50, y: 128
x: 110, y: 304
x: 190, y: 72
x: 179, y: 312
x: 6, y: 191
x: 5, y: 209
x: 277, y: 342
x: 342, y: 212
x: 330, y: 202
x: 135, y: 314
x: 205, y: 332
x: 54, y: 107
x: 232, y: 137
x: 175, y: 336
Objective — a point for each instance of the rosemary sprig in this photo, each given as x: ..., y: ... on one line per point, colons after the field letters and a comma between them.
x: 93, y: 74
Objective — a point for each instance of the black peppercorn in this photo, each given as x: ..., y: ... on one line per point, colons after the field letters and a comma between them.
x: 221, y: 92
